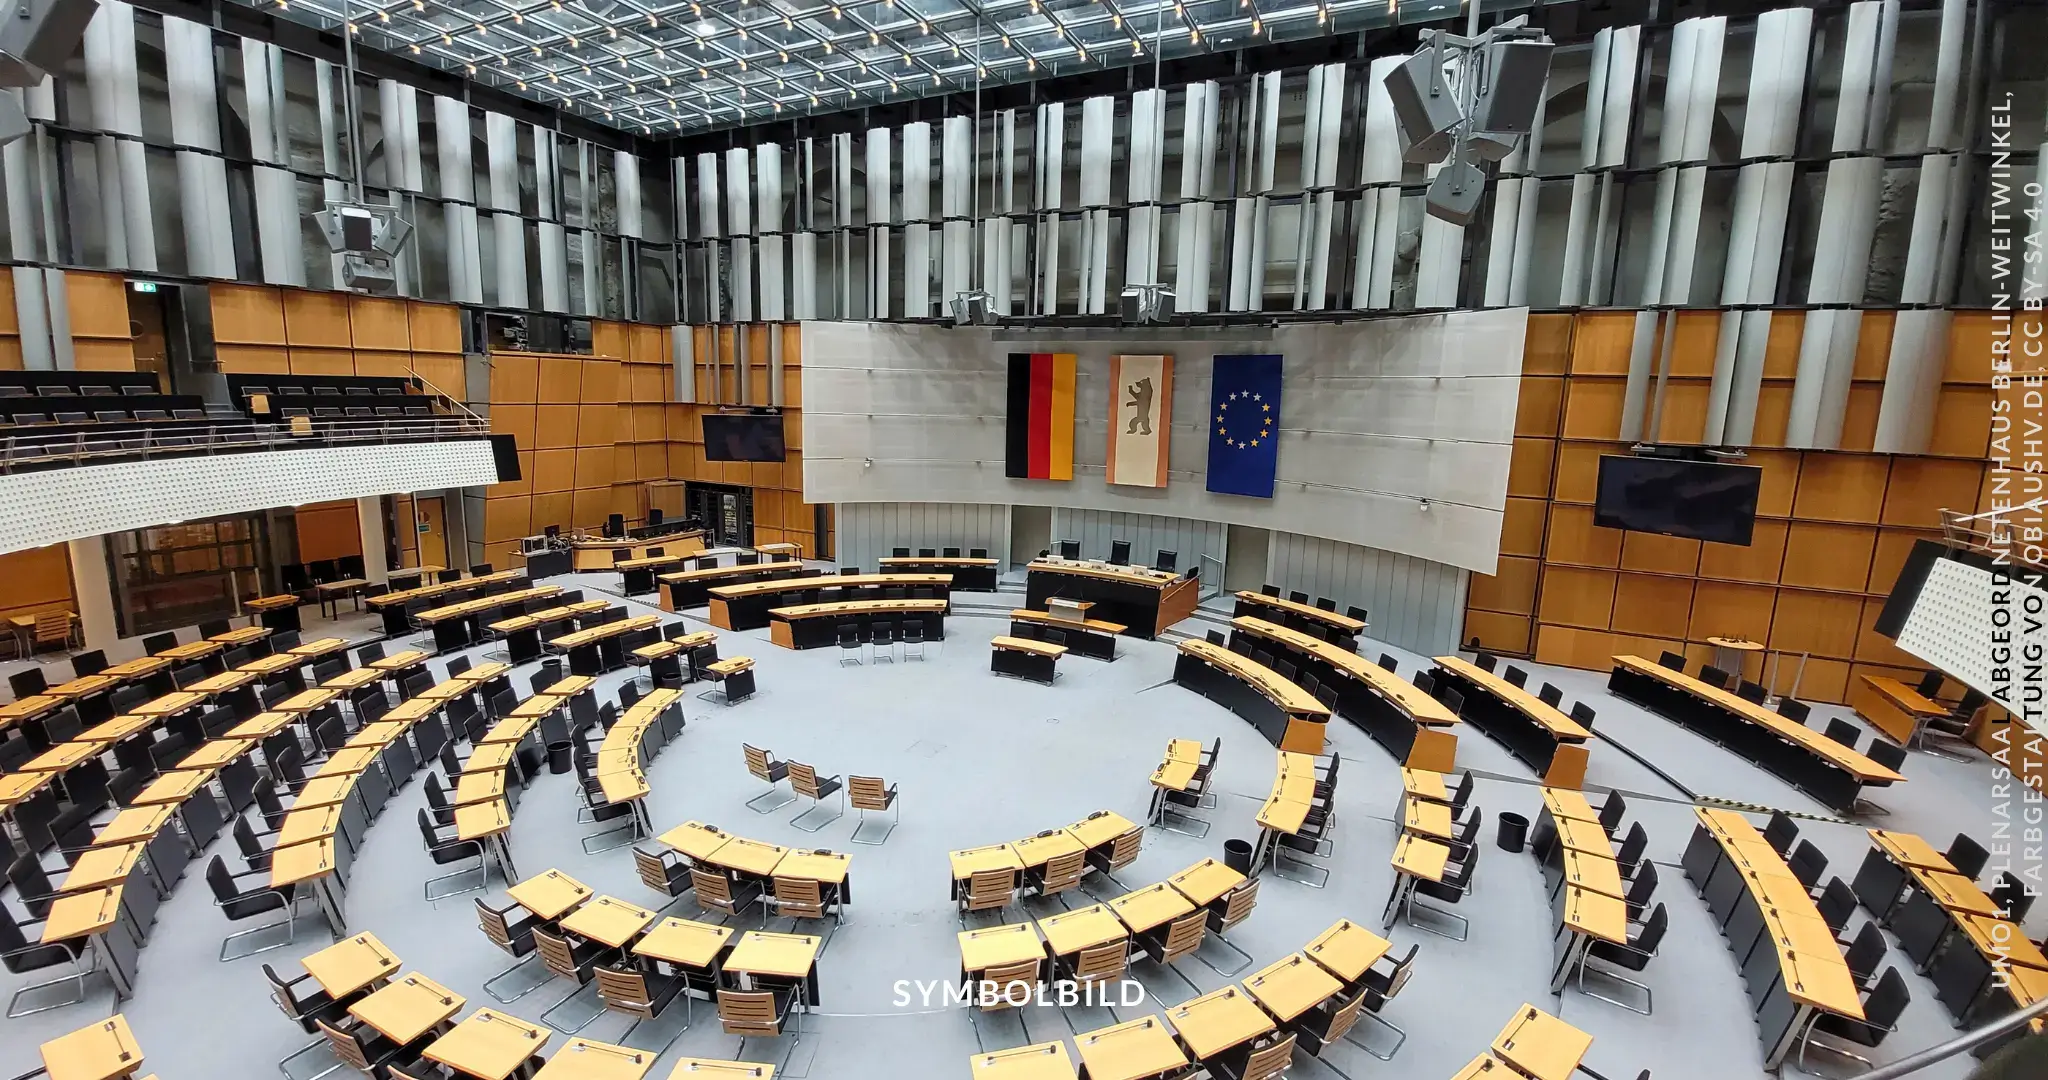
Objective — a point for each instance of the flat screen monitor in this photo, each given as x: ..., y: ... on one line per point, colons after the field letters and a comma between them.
x: 742, y: 437
x: 1700, y: 500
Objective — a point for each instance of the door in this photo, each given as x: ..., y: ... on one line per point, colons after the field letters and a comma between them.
x: 1244, y: 558
x: 431, y: 526
x: 726, y: 511
x: 1030, y: 532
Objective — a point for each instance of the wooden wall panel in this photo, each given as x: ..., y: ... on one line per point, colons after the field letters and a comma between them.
x: 36, y: 579
x: 315, y: 361
x: 1823, y: 624
x: 1497, y: 632
x: 1579, y: 597
x: 1592, y: 408
x: 444, y: 373
x: 554, y: 470
x: 328, y: 530
x: 561, y: 380
x: 88, y: 354
x: 1841, y: 487
x: 514, y: 378
x: 1762, y: 561
x: 1539, y: 406
x: 506, y: 519
x: 554, y: 425
x: 1521, y: 525
x: 1547, y: 348
x: 253, y: 359
x: 1922, y: 487
x: 317, y: 318
x: 1659, y: 554
x: 1780, y: 481
x: 97, y: 305
x: 1529, y: 468
x: 1827, y: 556
x: 1725, y: 609
x: 1576, y: 541
x: 1601, y: 342
x: 1578, y: 471
x: 1652, y: 604
x: 435, y: 328
x: 379, y: 323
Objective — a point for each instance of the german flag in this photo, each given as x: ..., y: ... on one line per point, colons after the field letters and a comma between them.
x: 1039, y: 429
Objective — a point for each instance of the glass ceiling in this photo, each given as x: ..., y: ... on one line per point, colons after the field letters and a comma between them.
x: 664, y: 68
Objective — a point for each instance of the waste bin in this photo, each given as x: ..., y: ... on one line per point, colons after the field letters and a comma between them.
x: 558, y: 757
x: 1514, y: 831
x: 1237, y: 854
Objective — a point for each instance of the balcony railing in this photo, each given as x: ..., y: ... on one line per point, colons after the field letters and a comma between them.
x: 98, y: 444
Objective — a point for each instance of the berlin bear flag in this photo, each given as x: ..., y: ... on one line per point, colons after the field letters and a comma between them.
x: 1140, y: 419
x: 1244, y: 425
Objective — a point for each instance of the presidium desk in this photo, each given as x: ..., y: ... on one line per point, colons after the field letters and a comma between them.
x: 746, y: 606
x: 1144, y: 600
x: 969, y: 574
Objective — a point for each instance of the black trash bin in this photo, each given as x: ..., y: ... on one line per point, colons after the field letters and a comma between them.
x: 1514, y: 831
x: 1237, y: 854
x: 558, y: 757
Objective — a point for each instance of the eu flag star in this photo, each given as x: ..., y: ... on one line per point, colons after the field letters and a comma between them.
x: 1266, y: 408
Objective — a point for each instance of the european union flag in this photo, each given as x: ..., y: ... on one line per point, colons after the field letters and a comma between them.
x: 1244, y: 425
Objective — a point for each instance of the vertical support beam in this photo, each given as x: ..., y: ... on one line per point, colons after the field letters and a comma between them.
x: 1098, y: 132
x: 370, y: 523
x: 739, y: 223
x: 1841, y: 257
x: 682, y: 361
x: 195, y: 123
x: 553, y: 239
x: 713, y: 225
x: 1379, y: 205
x: 111, y: 86
x: 93, y: 589
x: 1001, y: 239
x: 1260, y: 152
x: 458, y: 192
x: 842, y: 224
x: 879, y: 217
x: 804, y: 246
x: 501, y: 145
x: 771, y: 227
x: 1195, y: 254
x: 957, y: 180
x: 917, y: 214
x: 1592, y: 226
x: 1050, y: 172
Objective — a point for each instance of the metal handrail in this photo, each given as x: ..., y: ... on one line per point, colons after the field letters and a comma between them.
x: 1988, y: 533
x: 1216, y: 582
x: 1968, y: 1040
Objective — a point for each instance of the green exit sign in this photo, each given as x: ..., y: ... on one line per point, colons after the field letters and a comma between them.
x: 144, y: 286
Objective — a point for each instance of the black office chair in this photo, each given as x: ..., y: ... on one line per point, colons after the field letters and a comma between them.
x: 899, y: 553
x: 849, y: 642
x: 156, y: 643
x: 1583, y: 714
x: 1836, y: 903
x: 28, y: 683
x: 239, y: 904
x: 1387, y: 661
x: 1643, y: 940
x: 2010, y: 894
x: 1550, y: 695
x: 1297, y: 597
x: 1672, y: 660
x: 1453, y: 887
x: 1750, y: 692
x: 1629, y: 856
x: 1425, y: 682
x: 1881, y: 1012
x: 1356, y: 612
x: 1517, y: 676
x: 1167, y: 561
x: 445, y: 848
x: 20, y: 956
x: 1968, y: 856
x: 1119, y: 552
x: 1807, y: 863
x: 1714, y: 677
x: 1641, y: 889
x: 1215, y: 637
x: 1794, y: 710
x: 1844, y: 732
x: 1930, y: 684
x: 927, y: 553
x: 950, y: 553
x: 1866, y: 954
x: 89, y: 663
x: 1781, y: 832
x: 1611, y: 813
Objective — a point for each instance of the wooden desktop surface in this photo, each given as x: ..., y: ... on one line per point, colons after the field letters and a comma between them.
x: 608, y: 920
x: 684, y: 941
x: 1328, y: 618
x: 1039, y: 1061
x: 1069, y: 932
x: 1540, y: 1045
x: 1292, y: 985
x: 1100, y: 828
x: 745, y: 589
x: 98, y: 1051
x: 1130, y: 575
x: 1218, y: 1020
x: 1819, y: 978
x: 1406, y: 696
x: 489, y: 1045
x: 549, y: 893
x: 349, y: 965
x: 1135, y: 1048
x: 1561, y: 727
x: 611, y: 629
x: 1027, y: 645
x: 1347, y: 950
x: 481, y: 604
x: 788, y: 956
x: 1205, y: 882
x: 1290, y: 697
x: 857, y: 607
x: 408, y: 1007
x: 588, y: 1059
x: 1149, y: 907
x: 1813, y: 741
x: 995, y: 946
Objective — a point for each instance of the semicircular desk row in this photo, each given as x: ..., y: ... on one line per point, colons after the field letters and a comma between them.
x: 106, y: 904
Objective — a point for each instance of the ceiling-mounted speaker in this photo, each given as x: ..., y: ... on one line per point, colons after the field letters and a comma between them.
x: 1511, y: 88
x: 38, y: 36
x: 1425, y: 106
x: 1454, y: 193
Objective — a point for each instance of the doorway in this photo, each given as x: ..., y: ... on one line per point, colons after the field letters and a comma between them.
x: 726, y: 511
x: 1244, y: 558
x: 1030, y: 532
x: 431, y: 524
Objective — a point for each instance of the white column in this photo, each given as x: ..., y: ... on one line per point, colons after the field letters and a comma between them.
x: 879, y: 217
x: 1379, y: 205
x: 770, y: 225
x: 93, y: 592
x: 1098, y: 131
x: 739, y: 209
x: 1194, y: 254
x: 917, y: 213
x: 370, y: 520
x: 1049, y: 172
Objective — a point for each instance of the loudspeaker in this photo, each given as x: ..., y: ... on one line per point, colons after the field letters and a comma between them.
x: 359, y: 273
x: 1512, y: 87
x: 1454, y: 194
x: 38, y: 36
x: 505, y: 454
x: 1425, y: 106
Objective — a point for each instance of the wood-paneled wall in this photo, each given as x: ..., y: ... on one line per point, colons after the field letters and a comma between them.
x: 1832, y: 527
x: 780, y: 513
x: 97, y: 306
x: 259, y: 329
x: 38, y: 579
x: 328, y: 530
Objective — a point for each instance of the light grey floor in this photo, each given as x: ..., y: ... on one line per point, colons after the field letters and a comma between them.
x: 982, y: 759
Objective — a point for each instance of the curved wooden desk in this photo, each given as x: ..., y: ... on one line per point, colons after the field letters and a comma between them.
x: 392, y: 605
x: 1342, y: 629
x: 1788, y: 954
x: 692, y: 588
x: 1092, y: 637
x: 1547, y: 740
x: 1284, y: 713
x: 811, y: 626
x: 1413, y: 726
x: 1146, y: 601
x: 1832, y: 773
x: 454, y: 624
x: 601, y: 648
x: 1025, y: 658
x: 598, y: 553
x: 746, y: 606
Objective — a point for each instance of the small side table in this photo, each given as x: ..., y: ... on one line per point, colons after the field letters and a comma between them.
x: 1731, y: 654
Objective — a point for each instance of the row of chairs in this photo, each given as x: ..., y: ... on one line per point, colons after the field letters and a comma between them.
x: 1549, y: 694
x: 864, y: 793
x: 877, y: 636
x: 1322, y: 603
x: 934, y: 553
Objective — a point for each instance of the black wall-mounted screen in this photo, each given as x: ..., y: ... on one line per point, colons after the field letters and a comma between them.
x: 1701, y: 500
x: 742, y: 437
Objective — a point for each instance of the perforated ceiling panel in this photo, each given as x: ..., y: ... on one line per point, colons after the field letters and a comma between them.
x: 58, y: 505
x: 1951, y: 624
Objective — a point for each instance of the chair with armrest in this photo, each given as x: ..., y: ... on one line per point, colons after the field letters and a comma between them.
x: 643, y: 995
x: 20, y: 956
x: 1238, y: 905
x: 769, y: 1013
x: 872, y: 793
x: 717, y: 892
x: 769, y: 771
x: 662, y: 870
x: 988, y: 890
x: 1882, y: 1008
x: 1455, y: 886
x: 1380, y: 988
x: 1643, y: 941
x: 805, y: 781
x: 511, y: 929
x: 445, y: 848
x: 238, y: 903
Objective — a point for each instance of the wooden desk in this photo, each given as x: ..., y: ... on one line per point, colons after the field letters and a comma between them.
x: 608, y: 920
x: 1909, y: 850
x: 969, y: 574
x: 968, y: 862
x: 1412, y: 725
x: 1893, y: 707
x: 1540, y: 1045
x: 813, y: 626
x: 488, y: 1045
x: 1143, y: 910
x: 279, y: 613
x: 140, y: 667
x: 1082, y: 928
x: 28, y: 708
x: 1206, y: 882
x: 601, y: 553
x: 825, y: 868
x: 1100, y: 828
x: 1288, y: 716
x: 63, y: 758
x: 1415, y: 859
x: 996, y: 946
x: 1025, y: 658
x: 343, y: 968
x: 691, y: 588
x: 746, y: 606
x: 685, y: 942
x: 83, y: 686
x: 1291, y: 986
x: 98, y: 867
x: 785, y: 956
x: 1830, y: 772
x: 482, y: 820
x: 549, y: 894
x: 80, y: 914
x: 1329, y: 625
x: 102, y: 1051
x: 1569, y: 805
x: 587, y: 1059
x: 1425, y: 818
x: 1544, y: 738
x: 247, y: 635
x: 749, y: 856
x: 1145, y: 600
x: 16, y: 787
x: 171, y: 788
x: 1039, y: 1061
x: 1424, y: 784
x: 1347, y: 950
x: 695, y: 840
x: 408, y: 1008
x: 1127, y: 1051
x: 139, y: 822
x: 1216, y: 1021
x: 113, y: 731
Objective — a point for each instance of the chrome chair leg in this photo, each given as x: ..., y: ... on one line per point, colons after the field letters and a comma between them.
x: 1464, y: 925
x: 482, y: 870
x: 530, y: 959
x: 1649, y: 999
x: 1281, y: 866
x: 284, y: 1063
x: 771, y: 792
x: 797, y: 822
x: 628, y: 829
x: 1226, y: 943
x: 795, y: 1035
x: 1367, y: 1014
x: 1168, y: 812
x: 861, y: 821
x: 80, y: 970
x: 595, y: 1011
x: 626, y: 1039
x: 291, y: 921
